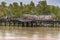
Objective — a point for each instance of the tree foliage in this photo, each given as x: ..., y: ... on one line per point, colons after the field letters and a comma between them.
x: 40, y: 9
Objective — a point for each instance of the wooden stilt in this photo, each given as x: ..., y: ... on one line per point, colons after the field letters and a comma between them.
x: 31, y: 24
x: 27, y: 24
x: 23, y: 24
x: 5, y: 23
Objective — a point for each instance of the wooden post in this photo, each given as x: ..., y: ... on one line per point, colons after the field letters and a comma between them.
x: 5, y: 23
x: 23, y: 24
x: 40, y: 24
x: 13, y: 23
x: 36, y: 24
x: 0, y: 23
x: 27, y: 24
x: 18, y: 24
x: 54, y: 25
x: 31, y: 24
x: 10, y: 23
x: 57, y: 24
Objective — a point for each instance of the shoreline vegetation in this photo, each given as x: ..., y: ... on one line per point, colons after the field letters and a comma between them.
x: 16, y: 10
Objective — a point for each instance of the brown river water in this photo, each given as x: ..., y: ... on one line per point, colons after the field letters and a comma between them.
x: 32, y: 33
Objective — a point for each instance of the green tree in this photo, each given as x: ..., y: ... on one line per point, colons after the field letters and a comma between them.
x: 16, y: 9
x: 3, y: 9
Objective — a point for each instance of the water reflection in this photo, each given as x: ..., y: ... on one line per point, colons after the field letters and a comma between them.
x: 37, y: 32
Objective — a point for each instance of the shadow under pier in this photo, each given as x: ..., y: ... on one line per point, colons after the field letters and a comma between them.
x: 30, y: 23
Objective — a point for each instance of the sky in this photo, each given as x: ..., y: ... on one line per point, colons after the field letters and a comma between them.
x: 49, y: 2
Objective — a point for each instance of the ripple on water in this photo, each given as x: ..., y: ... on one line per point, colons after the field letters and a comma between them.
x: 29, y: 32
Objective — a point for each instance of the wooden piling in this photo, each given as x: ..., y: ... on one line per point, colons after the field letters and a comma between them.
x: 23, y: 24
x: 26, y: 24
x: 31, y: 24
